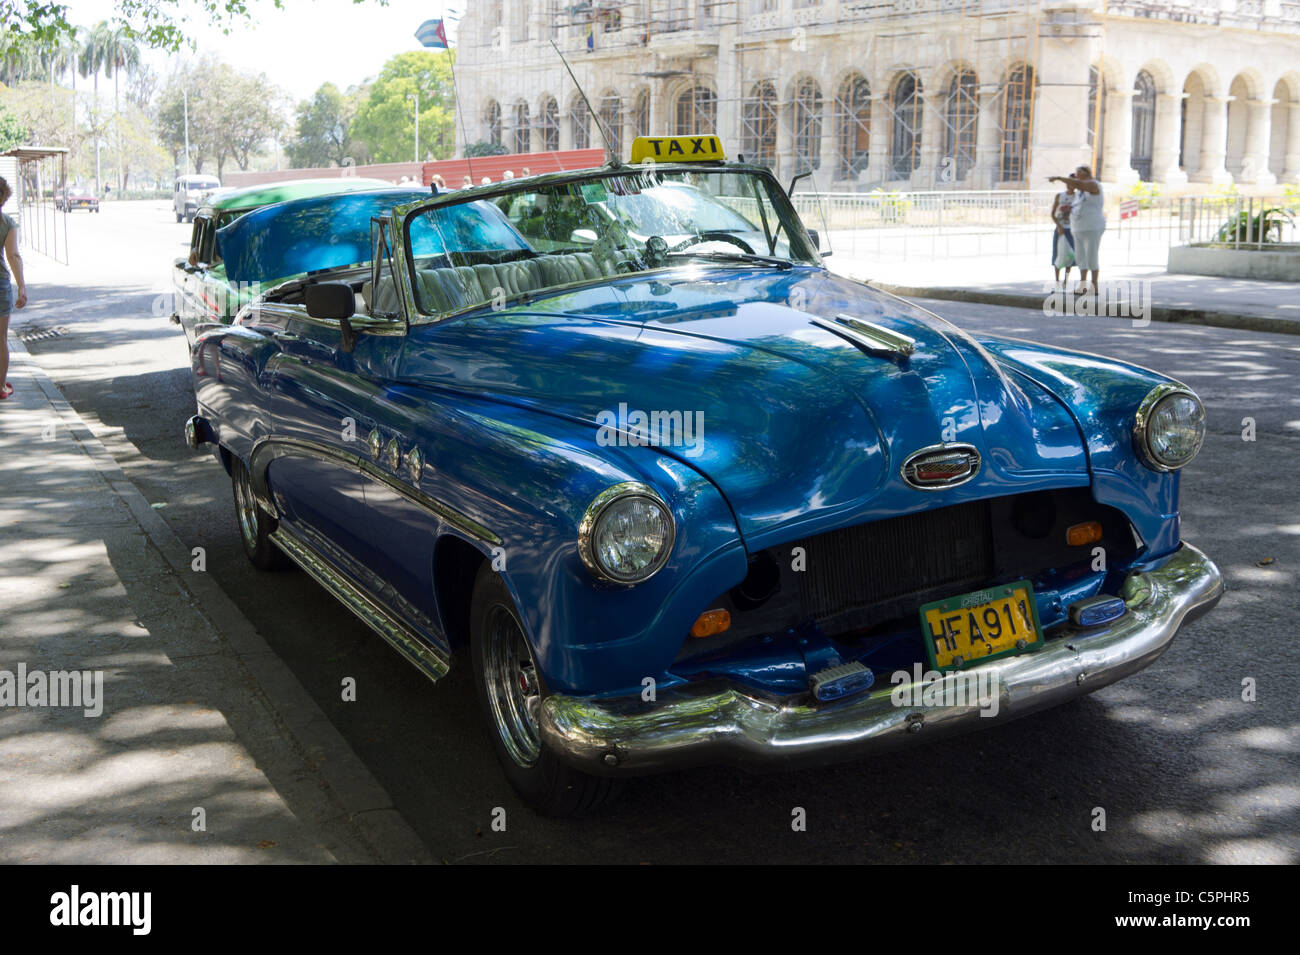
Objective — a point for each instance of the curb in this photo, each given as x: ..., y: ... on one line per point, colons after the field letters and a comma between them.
x: 1159, y: 313
x: 350, y: 784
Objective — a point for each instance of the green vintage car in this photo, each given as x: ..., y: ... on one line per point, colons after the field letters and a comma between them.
x: 203, y: 294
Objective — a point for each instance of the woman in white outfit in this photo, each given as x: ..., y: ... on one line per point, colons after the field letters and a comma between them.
x: 1087, y: 223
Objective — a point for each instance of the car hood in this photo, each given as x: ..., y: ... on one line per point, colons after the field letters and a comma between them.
x: 794, y: 423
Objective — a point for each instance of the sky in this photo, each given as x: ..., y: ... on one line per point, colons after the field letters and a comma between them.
x: 303, y: 45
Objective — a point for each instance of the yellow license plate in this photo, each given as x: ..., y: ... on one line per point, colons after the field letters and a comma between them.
x: 982, y: 625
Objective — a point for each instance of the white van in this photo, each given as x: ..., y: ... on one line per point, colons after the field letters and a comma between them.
x: 189, y: 194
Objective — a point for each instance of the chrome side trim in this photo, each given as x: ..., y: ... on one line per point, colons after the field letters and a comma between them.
x: 426, y: 659
x: 869, y: 335
x: 723, y: 722
x: 266, y: 450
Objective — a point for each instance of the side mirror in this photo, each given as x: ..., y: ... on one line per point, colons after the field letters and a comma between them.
x: 334, y: 300
x: 816, y: 239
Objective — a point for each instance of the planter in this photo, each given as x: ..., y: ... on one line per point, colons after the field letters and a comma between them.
x: 1277, y: 262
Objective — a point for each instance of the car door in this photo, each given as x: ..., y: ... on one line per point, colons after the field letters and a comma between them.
x: 400, y: 528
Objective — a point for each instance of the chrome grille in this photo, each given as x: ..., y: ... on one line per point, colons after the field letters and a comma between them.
x: 859, y: 576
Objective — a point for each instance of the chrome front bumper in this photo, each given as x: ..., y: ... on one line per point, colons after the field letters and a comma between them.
x: 720, y: 722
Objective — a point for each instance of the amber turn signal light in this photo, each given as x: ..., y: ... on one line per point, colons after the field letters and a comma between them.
x: 1081, y: 534
x: 711, y: 622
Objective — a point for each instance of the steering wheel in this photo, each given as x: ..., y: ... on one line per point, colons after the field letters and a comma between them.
x: 712, y: 236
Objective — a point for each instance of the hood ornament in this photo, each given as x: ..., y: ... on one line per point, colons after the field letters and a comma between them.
x: 868, y: 335
x: 941, y: 466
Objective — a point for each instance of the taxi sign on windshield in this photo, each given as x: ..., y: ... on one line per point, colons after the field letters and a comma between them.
x: 677, y: 149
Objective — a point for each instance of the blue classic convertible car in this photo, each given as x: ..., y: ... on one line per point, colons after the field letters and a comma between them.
x: 676, y: 493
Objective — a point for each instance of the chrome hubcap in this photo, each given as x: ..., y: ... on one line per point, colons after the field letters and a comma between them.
x: 247, y: 510
x: 513, y: 688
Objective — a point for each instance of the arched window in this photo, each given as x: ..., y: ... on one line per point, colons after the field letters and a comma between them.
x: 961, y: 117
x: 1096, y: 117
x: 1017, y: 121
x: 696, y: 111
x: 549, y: 123
x: 1144, y: 124
x: 852, y: 127
x: 758, y: 121
x: 905, y: 143
x: 641, y: 114
x: 492, y: 122
x: 521, y: 129
x: 611, y: 118
x: 579, y: 124
x: 806, y: 114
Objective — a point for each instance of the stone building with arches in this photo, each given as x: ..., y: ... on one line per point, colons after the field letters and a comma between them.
x: 903, y: 94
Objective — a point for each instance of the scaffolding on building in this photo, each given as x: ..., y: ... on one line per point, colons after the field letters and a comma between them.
x: 930, y: 80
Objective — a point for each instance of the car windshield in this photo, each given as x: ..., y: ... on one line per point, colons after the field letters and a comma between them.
x: 531, y: 239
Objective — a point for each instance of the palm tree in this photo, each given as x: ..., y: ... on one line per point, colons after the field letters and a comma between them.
x: 93, y: 46
x: 120, y: 53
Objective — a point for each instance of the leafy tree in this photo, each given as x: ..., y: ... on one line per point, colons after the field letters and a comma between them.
x: 120, y: 54
x: 12, y: 132
x: 152, y: 23
x: 45, y: 113
x: 322, y: 136
x: 385, y: 120
x: 231, y: 114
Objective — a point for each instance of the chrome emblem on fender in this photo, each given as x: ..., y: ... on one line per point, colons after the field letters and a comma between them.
x: 941, y: 466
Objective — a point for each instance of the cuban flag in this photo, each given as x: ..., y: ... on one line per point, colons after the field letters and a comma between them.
x: 432, y: 34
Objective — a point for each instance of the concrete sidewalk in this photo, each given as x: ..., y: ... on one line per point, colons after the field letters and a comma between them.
x: 1024, y: 282
x: 197, y: 720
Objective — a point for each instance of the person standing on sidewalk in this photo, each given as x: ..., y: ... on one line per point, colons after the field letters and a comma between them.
x: 8, y: 299
x: 1087, y: 223
x: 1062, y: 239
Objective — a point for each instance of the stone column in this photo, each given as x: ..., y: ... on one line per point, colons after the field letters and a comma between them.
x: 926, y: 176
x: 1168, y: 129
x: 1060, y: 130
x: 784, y: 140
x: 1292, y: 165
x: 1117, y: 164
x: 1214, y: 129
x: 1254, y: 163
x: 881, y: 130
x: 987, y: 172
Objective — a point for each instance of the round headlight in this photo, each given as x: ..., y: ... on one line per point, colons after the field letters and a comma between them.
x: 626, y: 534
x: 1170, y: 427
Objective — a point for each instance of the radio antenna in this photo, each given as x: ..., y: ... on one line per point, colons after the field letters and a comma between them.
x: 610, y: 157
x: 460, y: 109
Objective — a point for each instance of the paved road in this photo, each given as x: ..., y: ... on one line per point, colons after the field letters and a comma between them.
x: 1184, y: 768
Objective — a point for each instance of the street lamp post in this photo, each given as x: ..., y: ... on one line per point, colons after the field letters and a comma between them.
x: 417, y: 125
x: 185, y: 99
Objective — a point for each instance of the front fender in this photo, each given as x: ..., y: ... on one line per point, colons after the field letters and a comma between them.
x: 529, y: 478
x: 1103, y: 395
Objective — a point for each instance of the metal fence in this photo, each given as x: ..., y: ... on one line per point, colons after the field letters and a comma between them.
x: 897, y: 226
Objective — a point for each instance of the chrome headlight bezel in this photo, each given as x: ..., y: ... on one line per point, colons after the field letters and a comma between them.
x: 1142, y: 425
x: 591, y: 518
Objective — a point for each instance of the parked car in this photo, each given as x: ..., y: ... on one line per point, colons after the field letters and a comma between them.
x: 189, y: 193
x: 691, y: 502
x: 76, y: 197
x: 204, y: 294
